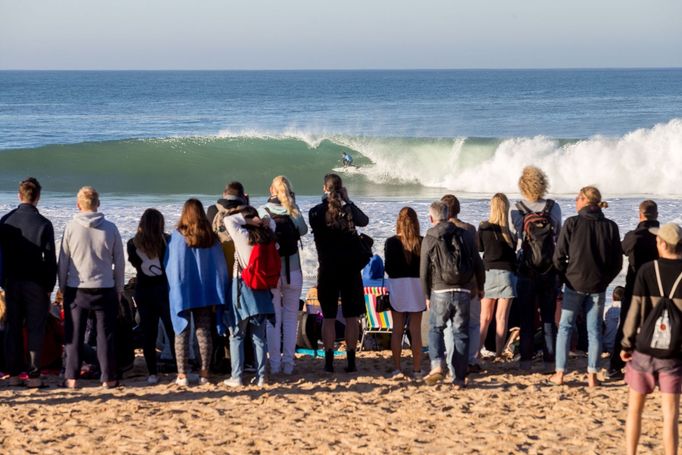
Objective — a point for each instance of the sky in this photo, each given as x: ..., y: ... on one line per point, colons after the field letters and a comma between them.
x: 347, y: 34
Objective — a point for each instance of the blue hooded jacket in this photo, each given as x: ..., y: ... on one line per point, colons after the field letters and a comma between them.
x: 373, y: 273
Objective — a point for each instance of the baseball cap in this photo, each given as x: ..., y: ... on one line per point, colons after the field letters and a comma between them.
x: 670, y: 233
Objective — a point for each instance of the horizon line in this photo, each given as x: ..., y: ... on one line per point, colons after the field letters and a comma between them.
x: 585, y: 68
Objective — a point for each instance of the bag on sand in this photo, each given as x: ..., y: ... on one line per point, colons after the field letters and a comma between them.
x: 660, y: 335
x: 264, y: 267
x: 453, y: 258
x: 538, y: 237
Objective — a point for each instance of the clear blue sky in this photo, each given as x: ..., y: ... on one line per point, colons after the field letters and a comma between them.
x: 303, y: 34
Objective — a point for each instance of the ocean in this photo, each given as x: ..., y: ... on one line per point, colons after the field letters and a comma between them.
x: 154, y: 138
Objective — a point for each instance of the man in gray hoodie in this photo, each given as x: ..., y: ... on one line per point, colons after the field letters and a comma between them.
x: 91, y: 278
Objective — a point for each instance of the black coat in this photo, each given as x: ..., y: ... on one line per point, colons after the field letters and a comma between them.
x: 640, y: 247
x: 588, y: 252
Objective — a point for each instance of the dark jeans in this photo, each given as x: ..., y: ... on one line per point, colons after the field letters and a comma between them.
x: 450, y: 311
x: 77, y: 304
x: 616, y: 363
x: 28, y: 303
x: 535, y: 291
x: 153, y: 305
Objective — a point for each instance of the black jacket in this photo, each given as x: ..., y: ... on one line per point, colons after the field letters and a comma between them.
x: 333, y: 244
x: 395, y: 263
x: 150, y: 272
x: 28, y: 247
x: 233, y: 204
x: 588, y: 252
x: 640, y: 247
x: 497, y: 253
x: 430, y: 277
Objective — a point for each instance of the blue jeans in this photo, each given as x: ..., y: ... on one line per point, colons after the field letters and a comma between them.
x: 237, y: 335
x: 450, y: 310
x: 592, y: 306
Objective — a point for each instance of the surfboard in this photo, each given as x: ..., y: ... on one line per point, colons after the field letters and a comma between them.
x: 352, y: 169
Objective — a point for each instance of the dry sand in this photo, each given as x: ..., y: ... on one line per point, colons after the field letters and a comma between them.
x: 500, y: 412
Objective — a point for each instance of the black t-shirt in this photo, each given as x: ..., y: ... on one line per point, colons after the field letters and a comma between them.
x: 150, y: 271
x: 497, y: 253
x: 396, y: 265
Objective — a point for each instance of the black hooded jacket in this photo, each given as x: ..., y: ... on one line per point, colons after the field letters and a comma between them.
x: 640, y: 247
x: 233, y: 204
x: 588, y: 252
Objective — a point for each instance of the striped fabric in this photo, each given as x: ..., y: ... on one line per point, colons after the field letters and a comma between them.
x: 376, y: 321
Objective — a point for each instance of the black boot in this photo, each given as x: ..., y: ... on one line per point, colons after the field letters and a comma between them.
x: 329, y: 360
x: 351, y: 362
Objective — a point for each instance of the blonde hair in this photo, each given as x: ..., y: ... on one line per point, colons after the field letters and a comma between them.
x: 88, y: 198
x: 593, y: 196
x: 499, y: 215
x: 285, y: 194
x: 533, y: 183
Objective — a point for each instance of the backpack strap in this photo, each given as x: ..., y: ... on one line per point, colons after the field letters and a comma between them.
x: 660, y: 284
x: 523, y: 208
x: 549, y: 205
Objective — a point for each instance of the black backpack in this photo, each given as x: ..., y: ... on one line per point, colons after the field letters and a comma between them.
x: 453, y: 258
x: 287, y: 236
x: 660, y: 335
x: 537, y: 241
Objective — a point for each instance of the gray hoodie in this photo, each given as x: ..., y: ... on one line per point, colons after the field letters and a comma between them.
x: 91, y: 254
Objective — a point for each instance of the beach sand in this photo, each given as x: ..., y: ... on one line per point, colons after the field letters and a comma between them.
x: 500, y: 412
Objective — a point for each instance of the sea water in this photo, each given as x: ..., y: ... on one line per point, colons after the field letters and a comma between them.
x: 148, y: 139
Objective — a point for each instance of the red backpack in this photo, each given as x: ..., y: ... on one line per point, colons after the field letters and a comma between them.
x: 264, y: 267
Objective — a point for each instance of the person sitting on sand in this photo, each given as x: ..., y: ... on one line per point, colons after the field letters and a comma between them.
x: 454, y: 209
x: 589, y: 256
x: 402, y: 253
x: 446, y: 285
x: 644, y: 372
x: 333, y: 223
x: 30, y: 274
x: 198, y: 283
x: 91, y: 278
x: 639, y: 246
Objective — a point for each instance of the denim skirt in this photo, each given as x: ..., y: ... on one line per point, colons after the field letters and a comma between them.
x: 500, y: 284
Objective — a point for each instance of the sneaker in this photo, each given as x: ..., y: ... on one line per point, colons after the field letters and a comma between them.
x: 614, y: 374
x: 152, y: 379
x: 395, y: 374
x: 260, y: 382
x: 288, y: 369
x: 433, y: 377
x: 485, y: 354
x: 203, y: 381
x: 418, y: 375
x: 182, y: 382
x: 233, y: 383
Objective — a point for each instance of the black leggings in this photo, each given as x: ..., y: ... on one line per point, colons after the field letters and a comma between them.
x: 153, y: 305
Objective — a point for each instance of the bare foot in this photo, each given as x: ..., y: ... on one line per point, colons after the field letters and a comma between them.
x: 557, y: 378
x: 592, y: 380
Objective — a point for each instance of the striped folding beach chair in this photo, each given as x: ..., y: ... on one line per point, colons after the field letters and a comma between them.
x: 374, y: 322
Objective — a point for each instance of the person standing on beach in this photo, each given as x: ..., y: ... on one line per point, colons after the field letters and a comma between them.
x: 198, y: 284
x: 589, y: 256
x: 30, y: 265
x: 497, y: 244
x: 655, y: 281
x: 290, y: 227
x: 146, y: 252
x: 402, y: 253
x: 454, y: 209
x: 333, y: 222
x: 233, y: 200
x: 447, y: 262
x: 536, y: 222
x: 91, y: 278
x: 251, y: 306
x: 640, y: 247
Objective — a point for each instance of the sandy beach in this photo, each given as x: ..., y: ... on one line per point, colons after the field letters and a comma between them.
x: 501, y: 411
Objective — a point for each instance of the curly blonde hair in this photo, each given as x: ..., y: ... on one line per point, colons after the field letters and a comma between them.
x: 533, y: 183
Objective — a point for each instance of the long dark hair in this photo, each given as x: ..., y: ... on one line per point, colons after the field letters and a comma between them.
x: 335, y: 217
x: 257, y: 234
x: 194, y: 226
x: 149, y: 237
x: 407, y: 228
